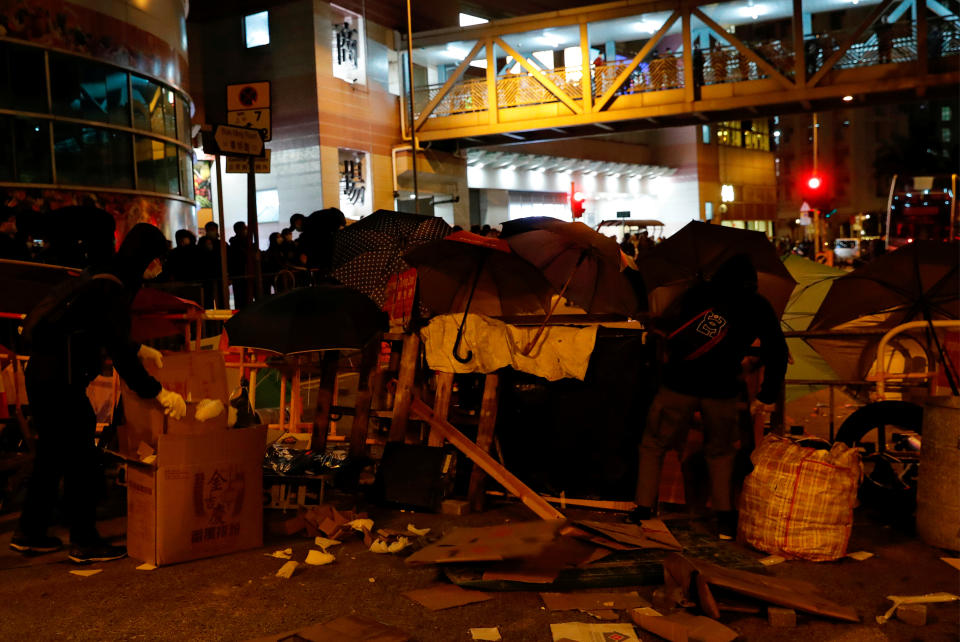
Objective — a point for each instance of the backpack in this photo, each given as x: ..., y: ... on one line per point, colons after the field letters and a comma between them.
x: 697, y: 336
x: 50, y: 312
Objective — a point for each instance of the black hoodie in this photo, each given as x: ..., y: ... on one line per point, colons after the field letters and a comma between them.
x: 97, y: 323
x: 710, y: 330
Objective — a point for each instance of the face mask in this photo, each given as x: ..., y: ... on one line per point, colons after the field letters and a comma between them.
x: 153, y: 270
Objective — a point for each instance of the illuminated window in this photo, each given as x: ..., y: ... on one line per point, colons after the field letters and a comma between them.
x: 726, y: 193
x: 945, y: 113
x: 268, y: 206
x: 945, y: 134
x: 256, y: 29
x: 706, y: 134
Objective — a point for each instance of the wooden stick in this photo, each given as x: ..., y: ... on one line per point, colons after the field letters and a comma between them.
x: 503, y: 476
x: 361, y: 417
x: 441, y: 404
x: 593, y: 503
x: 321, y: 420
x: 283, y: 399
x: 405, y: 380
x: 485, y: 428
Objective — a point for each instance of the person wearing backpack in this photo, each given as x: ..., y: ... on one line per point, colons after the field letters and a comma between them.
x: 707, y: 333
x: 69, y: 335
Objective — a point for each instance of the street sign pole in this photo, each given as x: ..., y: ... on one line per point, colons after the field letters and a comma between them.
x: 224, y: 283
x: 253, y: 236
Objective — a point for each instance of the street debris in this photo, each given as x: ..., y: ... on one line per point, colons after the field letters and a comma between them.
x: 420, y: 532
x: 952, y: 561
x: 319, y: 558
x: 287, y: 570
x: 445, y: 596
x: 581, y: 632
x: 285, y: 554
x: 593, y: 601
x: 860, y: 555
x: 325, y: 543
x: 87, y: 572
x: 900, y: 600
x: 490, y: 634
x: 771, y: 560
x: 146, y: 567
x: 783, y: 618
x: 695, y: 578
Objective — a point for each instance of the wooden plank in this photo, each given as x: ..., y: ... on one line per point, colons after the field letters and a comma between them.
x: 488, y: 422
x: 404, y: 394
x: 361, y: 417
x: 603, y: 504
x: 321, y: 420
x: 504, y: 477
x: 441, y: 404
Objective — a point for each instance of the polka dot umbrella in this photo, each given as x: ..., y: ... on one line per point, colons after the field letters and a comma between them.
x: 367, y: 253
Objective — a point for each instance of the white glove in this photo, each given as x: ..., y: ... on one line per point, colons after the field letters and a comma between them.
x: 173, y: 404
x: 146, y: 353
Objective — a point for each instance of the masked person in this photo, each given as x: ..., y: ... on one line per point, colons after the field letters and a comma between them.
x: 708, y: 332
x: 69, y: 336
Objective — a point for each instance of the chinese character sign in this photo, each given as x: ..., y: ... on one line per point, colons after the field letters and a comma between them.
x: 351, y: 180
x: 348, y: 48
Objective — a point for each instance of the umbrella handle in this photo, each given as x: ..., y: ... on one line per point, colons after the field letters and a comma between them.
x: 463, y: 321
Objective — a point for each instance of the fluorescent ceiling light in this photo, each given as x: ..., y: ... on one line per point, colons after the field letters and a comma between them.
x: 466, y: 20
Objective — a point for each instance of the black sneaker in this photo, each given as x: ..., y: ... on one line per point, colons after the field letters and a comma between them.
x: 36, y: 544
x: 639, y: 514
x: 727, y: 524
x: 97, y: 552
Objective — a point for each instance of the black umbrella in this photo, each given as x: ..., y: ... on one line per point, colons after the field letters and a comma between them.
x: 322, y: 317
x: 467, y: 272
x: 918, y: 282
x: 367, y: 253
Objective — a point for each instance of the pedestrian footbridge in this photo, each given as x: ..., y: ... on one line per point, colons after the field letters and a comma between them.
x: 653, y: 63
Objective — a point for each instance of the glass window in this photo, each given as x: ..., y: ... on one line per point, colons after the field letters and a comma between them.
x: 256, y: 29
x: 186, y: 174
x: 945, y: 113
x: 705, y: 129
x: 945, y: 134
x: 154, y: 107
x: 183, y: 119
x: 268, y: 206
x: 88, y: 155
x: 158, y: 166
x: 25, y: 150
x: 88, y: 90
x: 23, y: 84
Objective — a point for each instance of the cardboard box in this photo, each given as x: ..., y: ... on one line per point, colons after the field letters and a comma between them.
x: 203, y: 497
x: 203, y: 494
x: 195, y: 376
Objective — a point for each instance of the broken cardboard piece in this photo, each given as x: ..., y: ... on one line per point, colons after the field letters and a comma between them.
x: 952, y: 561
x: 445, y: 596
x: 488, y: 634
x: 593, y: 601
x: 684, y: 627
x: 651, y: 533
x: 319, y: 558
x: 582, y: 632
x: 351, y: 627
x: 489, y: 543
x: 860, y: 555
x: 87, y: 572
x: 606, y: 615
x: 772, y: 560
x: 288, y: 569
x: 695, y: 577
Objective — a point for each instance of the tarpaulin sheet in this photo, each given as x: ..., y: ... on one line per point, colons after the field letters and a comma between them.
x: 561, y: 351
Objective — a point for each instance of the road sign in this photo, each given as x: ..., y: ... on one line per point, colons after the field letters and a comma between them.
x: 242, y: 165
x: 252, y: 118
x: 237, y: 141
x: 250, y: 95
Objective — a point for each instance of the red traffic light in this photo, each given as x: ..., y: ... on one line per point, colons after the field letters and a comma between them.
x: 814, y: 182
x: 576, y: 201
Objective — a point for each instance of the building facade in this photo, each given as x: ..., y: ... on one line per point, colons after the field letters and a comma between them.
x: 94, y: 109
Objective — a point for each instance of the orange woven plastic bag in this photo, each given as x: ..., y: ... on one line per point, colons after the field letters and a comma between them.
x: 798, y: 502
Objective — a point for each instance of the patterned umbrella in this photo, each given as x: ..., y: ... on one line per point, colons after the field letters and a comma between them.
x: 367, y: 253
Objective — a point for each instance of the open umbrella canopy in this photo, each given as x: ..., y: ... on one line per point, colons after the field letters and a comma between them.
x: 582, y: 264
x: 322, y: 317
x: 917, y: 282
x: 696, y: 251
x: 367, y: 253
x: 468, y: 271
x: 26, y: 283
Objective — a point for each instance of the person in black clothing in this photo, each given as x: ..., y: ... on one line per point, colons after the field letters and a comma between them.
x: 209, y: 259
x: 316, y: 240
x: 68, y: 346
x: 274, y: 259
x: 182, y: 264
x: 708, y: 332
x: 237, y: 264
x: 11, y: 246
